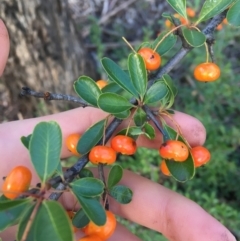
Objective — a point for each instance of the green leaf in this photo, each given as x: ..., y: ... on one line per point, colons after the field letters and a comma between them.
x: 193, y: 37
x: 121, y: 193
x: 91, y: 137
x: 85, y: 173
x: 138, y: 73
x: 119, y: 76
x: 113, y: 103
x: 167, y: 44
x: 26, y: 140
x: 11, y: 212
x: 93, y: 209
x: 179, y: 6
x: 80, y: 219
x: 132, y: 131
x: 51, y: 223
x: 181, y: 171
x: 112, y: 88
x: 123, y: 115
x: 211, y: 8
x: 156, y: 92
x: 233, y: 16
x: 114, y: 176
x: 149, y: 131
x: 45, y: 148
x: 144, y: 45
x: 87, y: 89
x: 140, y: 117
x: 87, y: 187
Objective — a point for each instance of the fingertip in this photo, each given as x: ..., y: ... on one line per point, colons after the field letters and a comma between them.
x: 4, y: 46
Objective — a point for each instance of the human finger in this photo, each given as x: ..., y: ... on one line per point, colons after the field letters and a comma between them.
x: 4, y: 46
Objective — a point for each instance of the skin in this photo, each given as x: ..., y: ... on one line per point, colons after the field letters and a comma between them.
x: 153, y: 205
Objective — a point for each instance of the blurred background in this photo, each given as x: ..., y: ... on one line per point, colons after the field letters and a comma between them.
x: 54, y: 42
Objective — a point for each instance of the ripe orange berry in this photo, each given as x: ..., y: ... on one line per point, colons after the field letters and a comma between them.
x: 102, y: 154
x: 219, y: 27
x: 225, y: 21
x: 104, y: 231
x: 101, y: 83
x: 71, y: 215
x: 168, y: 23
x: 207, y: 72
x: 124, y: 144
x: 174, y: 150
x: 164, y: 168
x: 152, y: 59
x: 190, y: 12
x: 92, y: 237
x: 17, y: 182
x: 201, y: 155
x: 71, y: 143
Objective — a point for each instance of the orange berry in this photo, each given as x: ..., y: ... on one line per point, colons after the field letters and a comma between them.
x: 101, y: 83
x: 201, y: 155
x: 124, y: 144
x: 168, y: 23
x: 17, y: 182
x: 190, y: 12
x: 164, y: 168
x: 71, y: 143
x: 174, y: 150
x: 102, y: 154
x: 225, y: 21
x: 219, y: 27
x: 92, y: 237
x: 104, y: 231
x: 207, y: 72
x: 152, y: 59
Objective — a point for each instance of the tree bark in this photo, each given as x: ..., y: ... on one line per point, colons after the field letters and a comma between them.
x: 46, y: 54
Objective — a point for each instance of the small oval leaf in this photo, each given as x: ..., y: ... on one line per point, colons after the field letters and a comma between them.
x: 26, y: 140
x: 149, y: 131
x: 193, y: 37
x: 211, y: 8
x: 179, y: 6
x: 119, y: 76
x: 123, y: 115
x: 233, y: 16
x: 85, y: 173
x: 112, y: 88
x: 156, y: 92
x: 91, y: 137
x: 138, y: 73
x: 140, y: 117
x: 121, y: 193
x: 45, y: 148
x: 113, y: 103
x: 80, y: 219
x: 87, y: 187
x: 114, y: 176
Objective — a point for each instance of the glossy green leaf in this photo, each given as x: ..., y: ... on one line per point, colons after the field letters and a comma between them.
x: 112, y: 88
x: 26, y: 140
x: 51, y: 223
x: 193, y: 37
x: 138, y: 73
x: 85, y: 173
x: 140, y: 117
x: 80, y: 219
x: 113, y: 103
x: 211, y: 8
x: 3, y: 198
x: 123, y: 115
x: 87, y: 89
x: 156, y: 92
x: 91, y: 137
x: 233, y: 16
x: 11, y: 212
x: 167, y: 44
x: 93, y: 209
x: 149, y: 131
x: 121, y: 193
x: 119, y: 76
x: 87, y: 187
x: 133, y: 132
x: 114, y: 176
x: 59, y: 170
x: 179, y: 6
x: 181, y: 171
x: 45, y: 148
x: 169, y: 82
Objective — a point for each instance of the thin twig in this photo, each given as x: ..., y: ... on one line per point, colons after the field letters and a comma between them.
x: 52, y: 96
